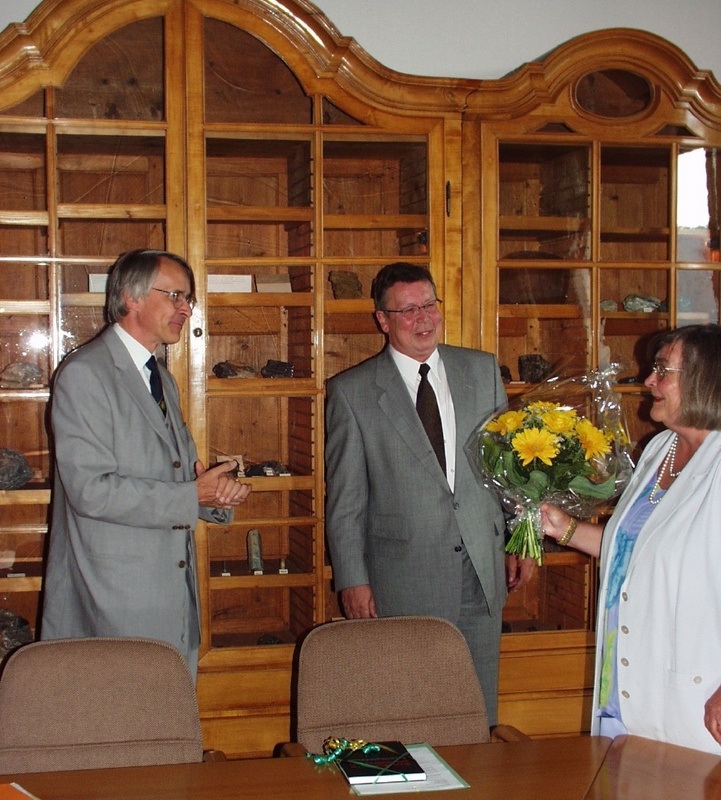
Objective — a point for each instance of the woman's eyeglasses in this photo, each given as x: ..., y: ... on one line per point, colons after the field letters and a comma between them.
x: 662, y: 369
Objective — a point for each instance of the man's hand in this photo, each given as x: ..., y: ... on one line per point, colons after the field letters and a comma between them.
x: 358, y: 602
x: 519, y: 571
x: 218, y: 486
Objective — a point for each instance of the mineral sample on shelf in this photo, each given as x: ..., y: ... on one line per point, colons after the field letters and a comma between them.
x: 533, y: 368
x: 637, y: 302
x: 277, y: 369
x: 229, y: 369
x: 20, y: 375
x: 345, y: 285
x: 15, y: 471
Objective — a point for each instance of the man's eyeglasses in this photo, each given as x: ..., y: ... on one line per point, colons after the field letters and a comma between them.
x: 410, y: 313
x: 662, y: 369
x: 177, y: 298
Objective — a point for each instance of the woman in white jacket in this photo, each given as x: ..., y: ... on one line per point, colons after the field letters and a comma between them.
x: 658, y: 646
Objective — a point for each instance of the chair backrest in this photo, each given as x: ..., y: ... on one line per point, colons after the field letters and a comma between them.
x: 395, y: 678
x: 96, y: 703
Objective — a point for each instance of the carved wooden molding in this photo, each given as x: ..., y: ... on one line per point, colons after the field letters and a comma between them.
x: 42, y: 51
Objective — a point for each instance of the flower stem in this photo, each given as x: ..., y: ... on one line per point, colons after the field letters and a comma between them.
x: 525, y: 541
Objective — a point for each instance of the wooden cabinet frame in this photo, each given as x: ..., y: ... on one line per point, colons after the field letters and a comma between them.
x: 357, y: 109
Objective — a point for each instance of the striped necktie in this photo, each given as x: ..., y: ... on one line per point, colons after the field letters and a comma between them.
x: 156, y: 384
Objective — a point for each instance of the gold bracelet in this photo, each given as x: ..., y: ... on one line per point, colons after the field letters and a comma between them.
x: 570, y: 530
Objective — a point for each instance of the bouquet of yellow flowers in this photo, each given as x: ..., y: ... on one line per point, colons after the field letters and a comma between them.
x: 564, y: 442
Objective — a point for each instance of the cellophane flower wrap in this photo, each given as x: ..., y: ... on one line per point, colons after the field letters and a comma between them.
x: 564, y: 442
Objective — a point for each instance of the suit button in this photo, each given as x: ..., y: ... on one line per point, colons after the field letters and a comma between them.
x: 624, y: 661
x: 456, y: 506
x: 625, y: 694
x: 177, y: 464
x: 624, y: 629
x: 181, y: 564
x: 458, y: 548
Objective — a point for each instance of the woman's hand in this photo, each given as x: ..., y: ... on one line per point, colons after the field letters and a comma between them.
x: 554, y: 521
x: 586, y: 536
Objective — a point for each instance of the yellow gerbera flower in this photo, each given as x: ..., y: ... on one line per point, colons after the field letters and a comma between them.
x: 535, y: 443
x: 507, y: 423
x: 541, y: 406
x: 592, y: 439
x: 559, y: 421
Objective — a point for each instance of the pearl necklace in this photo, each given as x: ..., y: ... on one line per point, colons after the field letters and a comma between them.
x: 669, y: 464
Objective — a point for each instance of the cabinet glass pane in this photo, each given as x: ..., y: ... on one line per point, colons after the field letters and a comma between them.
x: 555, y: 598
x: 375, y: 199
x: 283, y: 547
x: 250, y: 336
x: 121, y: 77
x: 543, y: 312
x: 264, y: 428
x: 23, y: 429
x: 79, y: 323
x: 110, y: 170
x: 21, y: 280
x: 33, y: 106
x: 22, y: 549
x: 544, y: 201
x: 107, y: 238
x: 697, y: 296
x: 698, y: 205
x: 245, y: 81
x: 635, y: 204
x: 259, y: 198
x: 634, y: 307
x: 636, y: 409
x: 22, y: 172
x: 261, y: 615
x: 25, y: 340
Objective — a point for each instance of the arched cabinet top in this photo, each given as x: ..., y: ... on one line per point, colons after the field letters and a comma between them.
x: 625, y: 59
x: 43, y: 50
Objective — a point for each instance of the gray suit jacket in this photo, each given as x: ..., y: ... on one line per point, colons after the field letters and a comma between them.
x: 122, y: 554
x: 391, y: 518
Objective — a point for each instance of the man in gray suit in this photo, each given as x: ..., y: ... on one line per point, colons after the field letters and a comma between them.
x: 128, y: 488
x: 408, y: 534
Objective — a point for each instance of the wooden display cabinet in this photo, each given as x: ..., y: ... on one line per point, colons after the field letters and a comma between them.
x: 583, y: 257
x: 280, y: 160
x: 226, y: 133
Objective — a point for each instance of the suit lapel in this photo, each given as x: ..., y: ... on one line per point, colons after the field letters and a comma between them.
x: 130, y: 382
x: 395, y: 402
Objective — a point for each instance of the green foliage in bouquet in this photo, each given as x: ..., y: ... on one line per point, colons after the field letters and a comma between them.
x: 541, y: 450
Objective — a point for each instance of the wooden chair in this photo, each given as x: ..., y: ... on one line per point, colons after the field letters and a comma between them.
x: 96, y: 703
x: 406, y: 678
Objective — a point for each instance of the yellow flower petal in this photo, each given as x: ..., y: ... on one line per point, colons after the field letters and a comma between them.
x: 535, y: 443
x: 592, y: 439
x: 507, y: 423
x: 559, y: 421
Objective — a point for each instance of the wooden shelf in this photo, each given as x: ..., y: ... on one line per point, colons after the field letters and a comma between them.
x: 542, y: 224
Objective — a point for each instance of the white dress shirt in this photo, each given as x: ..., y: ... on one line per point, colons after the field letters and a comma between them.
x: 408, y: 367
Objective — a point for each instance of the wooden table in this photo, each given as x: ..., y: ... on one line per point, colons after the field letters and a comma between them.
x: 547, y: 769
x: 639, y: 769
